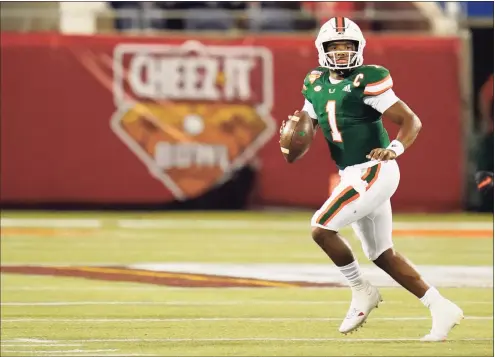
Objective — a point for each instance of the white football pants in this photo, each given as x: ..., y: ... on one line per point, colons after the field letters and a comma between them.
x: 362, y: 199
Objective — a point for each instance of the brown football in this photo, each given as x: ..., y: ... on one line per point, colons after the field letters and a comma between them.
x: 296, y: 136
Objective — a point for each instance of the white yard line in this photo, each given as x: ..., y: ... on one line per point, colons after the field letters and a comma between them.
x: 206, y: 303
x: 42, y: 345
x: 57, y: 352
x: 118, y: 354
x: 171, y: 303
x: 162, y: 288
x: 50, y: 223
x: 283, y: 225
x: 259, y: 339
x: 114, y: 354
x: 222, y: 224
x: 211, y: 319
x: 33, y: 340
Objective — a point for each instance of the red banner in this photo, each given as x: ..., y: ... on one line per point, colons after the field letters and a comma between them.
x: 124, y: 119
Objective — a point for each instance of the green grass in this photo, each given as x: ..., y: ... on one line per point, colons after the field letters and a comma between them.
x: 239, y: 304
x: 112, y: 244
x: 120, y: 246
x: 304, y: 309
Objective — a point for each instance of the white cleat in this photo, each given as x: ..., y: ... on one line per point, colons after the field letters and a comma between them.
x: 445, y: 315
x: 362, y: 303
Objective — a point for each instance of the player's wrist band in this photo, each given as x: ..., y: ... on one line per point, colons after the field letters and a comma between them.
x: 397, y: 147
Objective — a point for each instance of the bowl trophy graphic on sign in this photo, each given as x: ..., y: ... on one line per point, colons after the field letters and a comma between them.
x: 192, y: 113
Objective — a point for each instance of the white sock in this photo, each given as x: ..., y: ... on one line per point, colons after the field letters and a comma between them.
x: 431, y: 296
x: 353, y: 275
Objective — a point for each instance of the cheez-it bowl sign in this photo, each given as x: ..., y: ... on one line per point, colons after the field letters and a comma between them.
x: 192, y: 113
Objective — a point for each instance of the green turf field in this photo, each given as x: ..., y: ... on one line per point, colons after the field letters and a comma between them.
x: 48, y: 315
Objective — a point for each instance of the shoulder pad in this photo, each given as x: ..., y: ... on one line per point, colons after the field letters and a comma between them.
x: 311, y: 78
x: 375, y: 79
x: 313, y: 75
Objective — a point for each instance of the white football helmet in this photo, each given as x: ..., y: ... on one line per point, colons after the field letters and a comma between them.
x: 335, y: 29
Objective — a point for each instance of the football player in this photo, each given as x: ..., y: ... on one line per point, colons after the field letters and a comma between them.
x: 346, y: 99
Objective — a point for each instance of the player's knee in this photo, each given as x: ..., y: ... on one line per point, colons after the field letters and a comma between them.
x: 383, y: 256
x: 320, y: 235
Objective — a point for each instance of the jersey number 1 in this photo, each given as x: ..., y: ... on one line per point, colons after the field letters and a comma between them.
x: 332, y: 119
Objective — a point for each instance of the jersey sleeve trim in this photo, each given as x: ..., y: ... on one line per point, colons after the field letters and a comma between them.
x: 382, y: 101
x: 379, y: 87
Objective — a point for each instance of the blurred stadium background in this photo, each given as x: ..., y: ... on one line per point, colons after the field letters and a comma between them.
x: 123, y: 123
x: 60, y: 76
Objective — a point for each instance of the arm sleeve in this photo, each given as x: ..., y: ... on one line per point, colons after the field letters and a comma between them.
x: 308, y: 108
x: 382, y: 101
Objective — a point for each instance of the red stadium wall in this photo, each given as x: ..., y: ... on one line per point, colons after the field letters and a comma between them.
x: 57, y: 100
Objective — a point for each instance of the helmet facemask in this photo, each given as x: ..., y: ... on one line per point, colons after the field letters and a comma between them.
x: 342, y: 59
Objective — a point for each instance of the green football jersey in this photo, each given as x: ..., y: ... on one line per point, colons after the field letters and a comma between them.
x: 351, y: 128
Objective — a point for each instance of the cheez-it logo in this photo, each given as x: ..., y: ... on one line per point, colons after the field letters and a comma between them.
x: 191, y: 112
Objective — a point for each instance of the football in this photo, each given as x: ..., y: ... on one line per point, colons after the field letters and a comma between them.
x: 296, y: 136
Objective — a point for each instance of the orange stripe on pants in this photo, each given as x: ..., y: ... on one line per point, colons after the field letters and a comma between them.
x: 379, y: 166
x: 346, y: 190
x: 353, y: 198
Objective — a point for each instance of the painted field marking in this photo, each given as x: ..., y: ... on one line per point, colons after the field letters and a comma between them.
x: 211, y: 319
x: 263, y: 339
x: 35, y: 233
x: 42, y: 345
x: 206, y: 303
x: 50, y: 223
x: 278, y: 224
x: 92, y: 288
x: 153, y: 288
x: 34, y: 340
x: 185, y: 224
x: 123, y: 355
x: 116, y: 354
x: 280, y: 275
x: 61, y: 351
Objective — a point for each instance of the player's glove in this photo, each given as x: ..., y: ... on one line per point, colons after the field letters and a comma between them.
x: 484, y: 181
